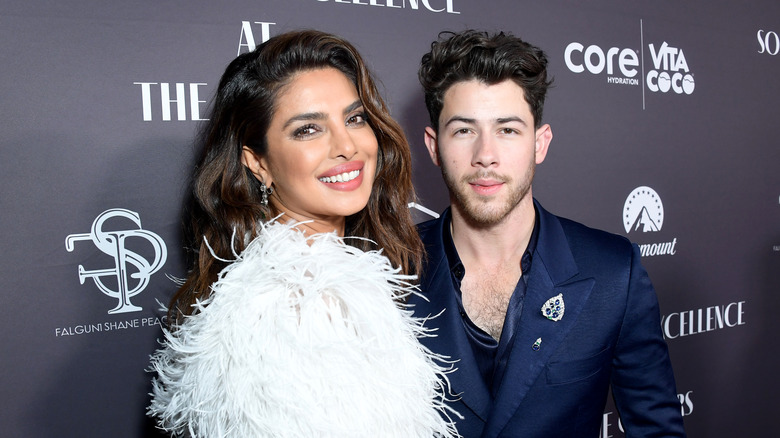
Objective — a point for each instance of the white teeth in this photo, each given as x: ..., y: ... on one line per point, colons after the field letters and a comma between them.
x: 342, y: 177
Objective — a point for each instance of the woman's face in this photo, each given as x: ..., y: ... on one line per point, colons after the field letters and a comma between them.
x: 322, y: 153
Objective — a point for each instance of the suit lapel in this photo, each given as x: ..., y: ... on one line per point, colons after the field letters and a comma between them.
x: 553, y: 272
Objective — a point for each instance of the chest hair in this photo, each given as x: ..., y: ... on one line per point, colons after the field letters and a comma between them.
x: 486, y: 295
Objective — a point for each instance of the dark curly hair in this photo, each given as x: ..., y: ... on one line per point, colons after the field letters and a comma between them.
x: 471, y: 54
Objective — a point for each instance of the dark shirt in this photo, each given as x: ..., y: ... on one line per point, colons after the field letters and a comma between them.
x: 491, y: 355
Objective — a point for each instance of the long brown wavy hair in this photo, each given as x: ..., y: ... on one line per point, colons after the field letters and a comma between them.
x: 226, y: 194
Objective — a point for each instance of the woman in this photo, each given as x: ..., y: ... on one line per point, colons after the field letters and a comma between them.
x: 284, y: 327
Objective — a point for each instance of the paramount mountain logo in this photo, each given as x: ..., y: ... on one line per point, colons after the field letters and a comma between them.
x: 645, y: 222
x: 643, y: 212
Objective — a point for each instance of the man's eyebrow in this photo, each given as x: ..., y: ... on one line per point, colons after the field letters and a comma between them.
x: 461, y: 119
x: 501, y: 120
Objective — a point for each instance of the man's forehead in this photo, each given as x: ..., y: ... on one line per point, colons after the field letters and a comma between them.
x: 474, y: 100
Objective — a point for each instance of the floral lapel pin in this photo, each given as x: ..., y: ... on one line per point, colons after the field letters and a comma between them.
x: 553, y: 308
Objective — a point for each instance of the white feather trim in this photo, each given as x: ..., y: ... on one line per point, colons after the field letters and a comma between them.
x: 301, y: 340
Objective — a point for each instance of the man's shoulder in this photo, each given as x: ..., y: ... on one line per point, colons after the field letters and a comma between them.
x: 585, y: 240
x: 430, y: 231
x: 582, y: 231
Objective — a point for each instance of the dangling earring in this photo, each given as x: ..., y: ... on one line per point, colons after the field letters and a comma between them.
x: 265, y: 191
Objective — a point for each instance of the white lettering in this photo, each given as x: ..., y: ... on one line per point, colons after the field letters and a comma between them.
x: 77, y: 330
x: 194, y: 101
x: 718, y: 318
x: 652, y: 75
x: 628, y: 58
x: 428, y: 6
x: 619, y: 80
x: 671, y: 66
x: 448, y: 6
x: 247, y: 38
x: 152, y: 321
x: 658, y: 57
x: 146, y: 98
x: 595, y: 60
x: 680, y: 63
x: 677, y: 83
x: 165, y: 98
x: 702, y: 320
x: 573, y: 47
x: 686, y: 402
x: 727, y: 312
x: 599, y: 66
x: 667, y: 320
x: 766, y: 42
x: 664, y: 248
x: 605, y: 426
x: 664, y: 82
x: 666, y: 58
x: 83, y: 329
x: 683, y: 324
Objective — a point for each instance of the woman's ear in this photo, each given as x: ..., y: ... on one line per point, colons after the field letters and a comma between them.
x: 257, y: 165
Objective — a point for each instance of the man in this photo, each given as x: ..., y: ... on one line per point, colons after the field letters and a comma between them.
x: 541, y: 314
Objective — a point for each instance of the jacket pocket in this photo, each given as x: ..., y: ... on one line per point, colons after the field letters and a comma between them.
x: 562, y: 372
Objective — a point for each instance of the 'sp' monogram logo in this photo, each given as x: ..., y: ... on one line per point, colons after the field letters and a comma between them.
x: 126, y: 263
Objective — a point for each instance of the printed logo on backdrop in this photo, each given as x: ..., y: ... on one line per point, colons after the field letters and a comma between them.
x: 131, y: 271
x: 643, y: 213
x: 437, y: 6
x: 768, y: 42
x: 670, y: 72
x: 126, y: 271
x: 612, y: 426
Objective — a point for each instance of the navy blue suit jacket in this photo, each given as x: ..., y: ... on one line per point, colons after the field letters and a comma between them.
x: 610, y: 334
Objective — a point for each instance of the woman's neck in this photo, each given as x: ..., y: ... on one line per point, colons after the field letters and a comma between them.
x: 311, y: 226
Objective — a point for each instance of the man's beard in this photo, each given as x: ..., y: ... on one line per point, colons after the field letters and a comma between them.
x: 483, y: 211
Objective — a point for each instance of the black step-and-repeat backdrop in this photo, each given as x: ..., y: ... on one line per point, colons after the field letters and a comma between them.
x: 666, y: 131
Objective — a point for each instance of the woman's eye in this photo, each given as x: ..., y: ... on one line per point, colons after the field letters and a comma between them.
x: 356, y: 119
x: 305, y: 131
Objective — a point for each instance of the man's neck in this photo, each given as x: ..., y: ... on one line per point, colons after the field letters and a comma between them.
x: 495, y: 244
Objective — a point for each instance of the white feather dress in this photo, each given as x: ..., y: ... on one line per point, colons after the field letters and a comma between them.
x: 301, y: 340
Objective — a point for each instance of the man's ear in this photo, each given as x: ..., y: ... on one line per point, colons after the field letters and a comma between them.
x: 543, y: 138
x: 257, y: 165
x: 432, y: 143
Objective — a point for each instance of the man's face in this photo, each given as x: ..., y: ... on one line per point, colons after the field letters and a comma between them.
x: 487, y: 148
